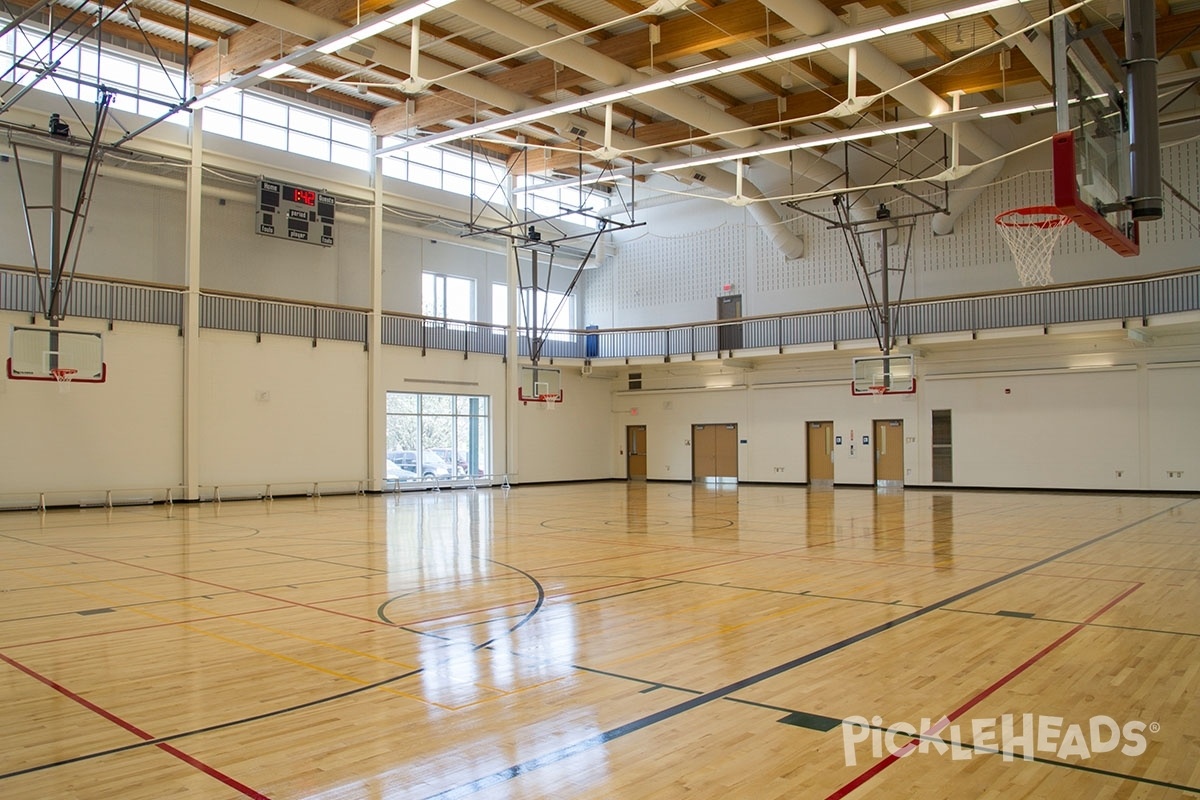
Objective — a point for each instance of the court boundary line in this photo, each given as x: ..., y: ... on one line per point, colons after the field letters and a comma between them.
x: 620, y: 731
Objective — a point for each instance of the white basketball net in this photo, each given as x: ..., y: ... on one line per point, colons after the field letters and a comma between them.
x: 549, y: 401
x: 63, y: 376
x: 1031, y: 234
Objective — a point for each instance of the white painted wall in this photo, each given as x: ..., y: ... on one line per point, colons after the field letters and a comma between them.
x: 1080, y: 415
x: 122, y: 434
x: 281, y: 410
x: 1063, y: 414
x: 672, y: 269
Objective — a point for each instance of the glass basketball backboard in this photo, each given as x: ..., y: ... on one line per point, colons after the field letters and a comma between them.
x: 37, y: 354
x: 890, y: 374
x: 540, y: 384
x: 1090, y: 152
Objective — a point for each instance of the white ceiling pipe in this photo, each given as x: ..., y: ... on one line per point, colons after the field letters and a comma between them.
x: 303, y: 23
x: 814, y: 19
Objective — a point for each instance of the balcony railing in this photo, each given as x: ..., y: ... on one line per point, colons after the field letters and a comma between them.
x: 115, y: 301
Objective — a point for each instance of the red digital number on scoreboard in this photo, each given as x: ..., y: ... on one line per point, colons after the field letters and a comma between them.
x: 302, y: 196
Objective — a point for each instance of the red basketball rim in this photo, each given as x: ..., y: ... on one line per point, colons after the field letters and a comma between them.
x: 1009, y: 218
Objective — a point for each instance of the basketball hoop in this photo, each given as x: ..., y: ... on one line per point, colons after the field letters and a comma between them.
x: 550, y: 401
x: 1031, y: 234
x: 877, y: 390
x: 63, y: 375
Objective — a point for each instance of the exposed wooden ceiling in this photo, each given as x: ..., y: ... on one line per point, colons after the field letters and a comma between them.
x: 218, y: 40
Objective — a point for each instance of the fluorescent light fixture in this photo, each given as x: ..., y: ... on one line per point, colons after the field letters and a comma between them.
x: 980, y: 8
x: 601, y: 99
x: 646, y: 88
x: 385, y: 24
x: 805, y: 143
x: 275, y: 70
x: 796, y: 52
x: 751, y: 64
x: 821, y: 142
x: 915, y: 126
x: 913, y: 24
x: 851, y: 38
x: 337, y: 44
x: 694, y: 77
x: 1004, y: 112
x: 377, y: 25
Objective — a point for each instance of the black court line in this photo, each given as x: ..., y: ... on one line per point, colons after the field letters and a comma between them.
x: 516, y: 770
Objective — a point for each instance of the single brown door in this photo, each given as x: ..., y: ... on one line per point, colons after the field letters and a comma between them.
x: 820, y: 453
x: 729, y: 337
x: 714, y: 451
x: 635, y: 452
x: 889, y: 452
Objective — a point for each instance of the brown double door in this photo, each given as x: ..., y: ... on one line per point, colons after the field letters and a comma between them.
x: 714, y: 451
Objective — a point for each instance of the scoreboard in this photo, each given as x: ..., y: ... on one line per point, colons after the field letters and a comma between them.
x: 294, y: 212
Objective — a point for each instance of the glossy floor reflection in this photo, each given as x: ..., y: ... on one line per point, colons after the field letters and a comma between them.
x: 605, y: 640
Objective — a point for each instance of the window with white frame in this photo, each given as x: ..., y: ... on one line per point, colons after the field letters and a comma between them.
x: 442, y: 436
x: 252, y: 116
x: 447, y: 297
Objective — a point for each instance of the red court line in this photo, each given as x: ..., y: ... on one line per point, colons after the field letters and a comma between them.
x: 136, y: 731
x: 892, y: 758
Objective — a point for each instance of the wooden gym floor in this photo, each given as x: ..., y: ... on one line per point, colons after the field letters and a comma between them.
x: 605, y: 641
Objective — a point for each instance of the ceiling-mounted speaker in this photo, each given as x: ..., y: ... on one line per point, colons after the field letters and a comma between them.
x: 223, y: 46
x: 699, y: 177
x: 577, y: 131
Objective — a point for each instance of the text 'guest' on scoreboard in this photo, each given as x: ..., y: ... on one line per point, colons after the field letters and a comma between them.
x: 294, y: 212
